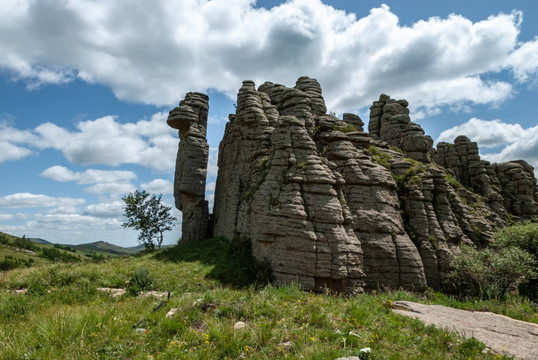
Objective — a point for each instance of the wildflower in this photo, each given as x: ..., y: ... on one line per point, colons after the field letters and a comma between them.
x: 351, y: 333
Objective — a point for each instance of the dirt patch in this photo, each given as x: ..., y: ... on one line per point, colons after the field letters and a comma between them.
x: 500, y: 334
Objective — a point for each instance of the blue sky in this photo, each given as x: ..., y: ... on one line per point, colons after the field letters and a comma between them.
x: 86, y: 86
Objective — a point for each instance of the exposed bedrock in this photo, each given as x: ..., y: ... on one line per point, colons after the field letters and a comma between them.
x: 330, y: 206
x: 190, y: 118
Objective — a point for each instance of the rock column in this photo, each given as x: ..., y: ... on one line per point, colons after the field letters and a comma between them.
x: 190, y: 118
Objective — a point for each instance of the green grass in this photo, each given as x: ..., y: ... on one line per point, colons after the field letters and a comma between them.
x: 382, y: 158
x: 64, y: 316
x: 22, y: 251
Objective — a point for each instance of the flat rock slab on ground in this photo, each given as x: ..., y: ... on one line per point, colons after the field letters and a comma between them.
x: 499, y: 333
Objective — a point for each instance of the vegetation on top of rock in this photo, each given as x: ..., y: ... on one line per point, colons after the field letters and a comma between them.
x: 382, y: 158
x: 345, y: 128
x: 452, y: 181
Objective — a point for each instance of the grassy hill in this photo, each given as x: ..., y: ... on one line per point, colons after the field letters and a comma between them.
x: 213, y: 287
x: 91, y: 251
x: 102, y: 247
x: 24, y: 252
x: 39, y: 241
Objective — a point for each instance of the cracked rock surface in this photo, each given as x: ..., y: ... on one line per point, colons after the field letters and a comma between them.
x: 500, y: 334
x: 332, y: 207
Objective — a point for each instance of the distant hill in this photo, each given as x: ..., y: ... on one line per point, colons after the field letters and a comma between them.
x: 40, y: 241
x: 104, y: 247
x: 98, y: 247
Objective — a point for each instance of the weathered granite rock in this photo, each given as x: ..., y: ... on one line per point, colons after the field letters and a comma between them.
x: 330, y: 206
x: 518, y: 188
x: 354, y: 120
x: 320, y: 211
x: 505, y: 187
x: 390, y: 122
x: 190, y: 118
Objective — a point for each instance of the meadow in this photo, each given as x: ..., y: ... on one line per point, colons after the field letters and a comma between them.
x: 224, y: 310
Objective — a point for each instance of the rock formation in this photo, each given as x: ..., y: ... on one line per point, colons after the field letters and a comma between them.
x: 190, y: 118
x: 332, y: 207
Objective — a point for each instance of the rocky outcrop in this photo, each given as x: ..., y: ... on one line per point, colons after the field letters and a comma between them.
x: 330, y: 206
x: 190, y: 118
x: 390, y: 122
x: 506, y: 188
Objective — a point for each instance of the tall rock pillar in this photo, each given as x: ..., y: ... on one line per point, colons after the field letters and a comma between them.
x: 190, y: 118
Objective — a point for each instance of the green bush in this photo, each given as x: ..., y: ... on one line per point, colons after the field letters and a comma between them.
x: 4, y: 240
x: 53, y: 254
x: 11, y: 262
x: 141, y: 280
x: 523, y: 236
x: 490, y: 273
x: 24, y: 243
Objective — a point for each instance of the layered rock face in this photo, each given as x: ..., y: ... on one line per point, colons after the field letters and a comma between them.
x: 507, y: 188
x: 190, y: 118
x: 332, y: 207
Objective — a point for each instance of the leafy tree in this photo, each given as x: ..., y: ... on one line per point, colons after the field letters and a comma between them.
x: 148, y: 215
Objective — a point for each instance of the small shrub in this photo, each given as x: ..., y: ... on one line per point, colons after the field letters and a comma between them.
x: 141, y: 280
x: 346, y: 128
x: 452, y: 181
x: 381, y: 158
x: 37, y: 289
x: 470, y: 348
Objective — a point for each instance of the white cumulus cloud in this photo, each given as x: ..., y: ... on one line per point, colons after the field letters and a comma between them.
x: 515, y: 141
x: 90, y: 176
x: 155, y: 52
x: 10, y: 151
x: 104, y: 181
x: 487, y: 133
x: 524, y: 147
x: 105, y: 210
x: 104, y: 141
x: 159, y: 186
x: 28, y: 200
x: 524, y: 61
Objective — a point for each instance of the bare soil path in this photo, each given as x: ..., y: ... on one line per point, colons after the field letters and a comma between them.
x: 500, y: 334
